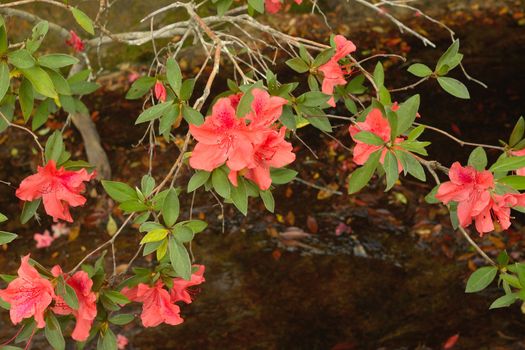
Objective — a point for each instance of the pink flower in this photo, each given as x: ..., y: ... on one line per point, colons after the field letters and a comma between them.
x: 157, y: 306
x: 378, y: 125
x: 272, y: 152
x: 160, y: 91
x: 333, y: 73
x: 60, y: 229
x: 521, y: 152
x: 87, y: 302
x: 75, y: 42
x: 179, y: 292
x: 59, y: 189
x: 133, y: 76
x: 122, y: 342
x: 273, y: 6
x: 221, y: 138
x: 43, y: 240
x: 265, y: 109
x: 28, y: 295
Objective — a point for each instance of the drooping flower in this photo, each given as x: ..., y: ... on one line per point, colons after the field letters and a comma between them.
x: 122, y: 342
x: 273, y: 151
x: 43, y: 240
x: 60, y: 229
x: 157, y: 306
x: 87, y: 302
x: 59, y: 189
x: 75, y: 42
x: 333, y: 73
x: 28, y: 295
x: 221, y: 138
x: 179, y: 292
x: 273, y: 6
x: 160, y: 91
x: 379, y: 126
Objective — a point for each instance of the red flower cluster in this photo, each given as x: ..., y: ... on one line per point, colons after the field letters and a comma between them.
x: 474, y: 192
x: 75, y: 42
x: 30, y: 295
x: 249, y: 146
x: 159, y: 304
x: 59, y: 189
x: 273, y: 6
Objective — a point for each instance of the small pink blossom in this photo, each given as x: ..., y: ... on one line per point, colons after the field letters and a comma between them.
x: 60, y: 229
x: 87, y: 302
x: 157, y: 306
x: 75, y: 42
x: 43, y: 240
x: 122, y: 342
x: 28, y: 295
x: 333, y: 73
x: 273, y: 6
x: 59, y: 189
x: 179, y: 292
x: 378, y: 125
x: 133, y: 76
x: 160, y: 91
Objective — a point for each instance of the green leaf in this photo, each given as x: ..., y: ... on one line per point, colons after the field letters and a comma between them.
x: 257, y: 5
x: 504, y: 301
x: 59, y: 82
x: 355, y: 86
x: 508, y: 164
x: 192, y: 116
x: 38, y: 34
x: 478, y: 159
x: 314, y: 99
x: 369, y: 138
x: 379, y: 75
x: 360, y: 177
x: 239, y: 196
x: 515, y: 181
x: 407, y: 113
x: 174, y: 75
x: 57, y: 60
x: 298, y: 65
x: 323, y: 57
x: 186, y: 89
x: 520, y: 269
x: 223, y: 6
x: 140, y: 87
x: 3, y: 37
x: 220, y: 183
x: 6, y: 237
x: 53, y: 332
x: 121, y: 319
x: 282, y: 176
x: 83, y: 20
x: 321, y: 123
x: 4, y: 79
x: 198, y: 179
x: 416, y: 132
x: 268, y: 200
x: 183, y: 233
x: 133, y: 206
x: 155, y: 236
x: 454, y: 87
x: 448, y: 56
x: 119, y: 191
x: 3, y: 218
x: 41, y: 81
x: 29, y: 210
x: 153, y: 112
x: 116, y: 297
x: 517, y: 132
x: 21, y: 59
x: 413, y: 167
x: 196, y: 226
x: 481, y: 278
x: 420, y: 70
x: 54, y: 147
x: 391, y: 170
x: 179, y: 258
x: 107, y: 341
x: 67, y: 293
x: 26, y: 98
x: 171, y: 208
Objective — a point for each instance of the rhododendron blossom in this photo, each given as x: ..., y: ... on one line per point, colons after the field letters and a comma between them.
x: 29, y: 295
x: 59, y: 189
x: 273, y: 6
x: 87, y: 307
x: 75, y: 42
x: 333, y: 73
x: 160, y: 91
x: 379, y: 126
x: 473, y: 191
x: 43, y: 240
x: 157, y: 305
x: 179, y: 292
